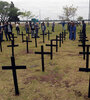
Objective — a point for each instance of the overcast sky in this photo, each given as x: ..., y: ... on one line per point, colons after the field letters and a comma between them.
x: 52, y: 8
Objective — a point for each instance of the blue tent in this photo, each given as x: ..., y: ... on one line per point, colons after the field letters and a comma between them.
x: 34, y: 20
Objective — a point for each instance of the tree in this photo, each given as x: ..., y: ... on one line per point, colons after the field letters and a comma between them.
x: 4, y: 10
x: 69, y: 12
x: 80, y: 18
x: 8, y: 12
x: 13, y: 13
x: 27, y: 15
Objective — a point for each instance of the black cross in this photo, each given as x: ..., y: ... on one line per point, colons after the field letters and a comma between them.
x: 89, y: 88
x: 1, y: 46
x: 43, y: 37
x: 79, y: 32
x: 27, y: 41
x: 87, y: 53
x: 13, y: 67
x: 29, y: 35
x: 82, y: 36
x: 12, y: 45
x: 22, y: 36
x: 82, y: 39
x: 42, y: 56
x: 83, y: 45
x: 56, y: 42
x: 51, y: 45
x: 87, y: 69
x: 62, y: 37
x: 36, y: 40
x: 49, y: 35
x: 59, y: 39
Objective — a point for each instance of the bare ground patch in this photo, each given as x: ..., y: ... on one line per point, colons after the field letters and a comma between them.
x: 24, y: 52
x: 52, y: 78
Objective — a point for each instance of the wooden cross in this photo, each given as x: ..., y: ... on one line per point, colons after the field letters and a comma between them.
x: 43, y: 36
x: 56, y: 43
x: 87, y: 69
x: 22, y: 36
x: 82, y: 39
x: 42, y: 56
x: 36, y: 40
x: 89, y: 88
x: 81, y: 36
x: 87, y: 53
x: 64, y: 35
x: 27, y: 41
x: 49, y: 35
x: 79, y: 32
x: 83, y: 45
x: 51, y: 45
x: 12, y: 45
x: 13, y: 67
x: 60, y: 39
x: 1, y: 46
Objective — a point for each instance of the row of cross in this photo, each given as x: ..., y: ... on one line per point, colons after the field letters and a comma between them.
x: 13, y: 66
x: 86, y: 53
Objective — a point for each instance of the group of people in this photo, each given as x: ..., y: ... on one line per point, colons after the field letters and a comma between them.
x: 34, y: 27
x: 72, y: 30
x: 6, y: 28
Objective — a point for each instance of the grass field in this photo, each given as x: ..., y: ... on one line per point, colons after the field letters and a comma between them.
x: 61, y: 79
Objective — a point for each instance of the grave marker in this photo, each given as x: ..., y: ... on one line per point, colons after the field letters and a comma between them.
x: 56, y: 43
x: 13, y: 67
x: 51, y: 45
x: 36, y: 40
x: 1, y: 46
x: 49, y: 35
x: 83, y: 45
x: 87, y: 53
x: 42, y: 56
x: 59, y: 40
x: 27, y: 42
x: 62, y: 37
x: 12, y: 45
x: 22, y: 36
x: 43, y: 36
x: 87, y: 69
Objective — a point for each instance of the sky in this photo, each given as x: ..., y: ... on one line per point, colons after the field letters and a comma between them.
x: 52, y: 8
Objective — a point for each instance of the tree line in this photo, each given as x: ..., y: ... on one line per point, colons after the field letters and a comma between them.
x: 8, y: 12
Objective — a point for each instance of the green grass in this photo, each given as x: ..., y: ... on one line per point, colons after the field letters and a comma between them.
x: 61, y: 79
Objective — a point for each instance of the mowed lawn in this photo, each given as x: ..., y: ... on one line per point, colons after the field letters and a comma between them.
x: 61, y: 79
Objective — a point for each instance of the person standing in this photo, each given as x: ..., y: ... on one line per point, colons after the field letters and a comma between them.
x: 36, y: 29
x: 17, y: 29
x: 9, y: 30
x: 27, y: 27
x: 43, y: 28
x: 33, y: 29
x: 72, y: 31
x: 6, y: 30
x: 1, y: 33
x: 63, y: 26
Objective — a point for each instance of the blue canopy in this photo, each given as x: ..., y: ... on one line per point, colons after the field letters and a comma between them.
x: 34, y: 20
